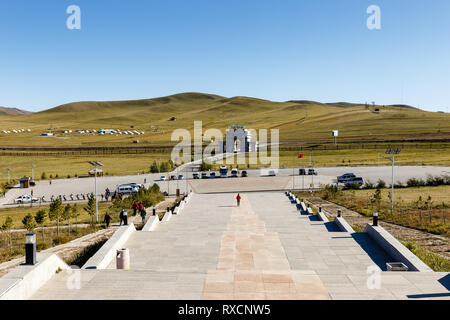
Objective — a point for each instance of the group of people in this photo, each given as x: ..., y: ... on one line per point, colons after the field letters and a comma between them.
x: 139, y: 207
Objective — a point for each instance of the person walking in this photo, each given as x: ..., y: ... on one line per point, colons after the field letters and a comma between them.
x: 135, y: 208
x: 140, y: 206
x: 107, y: 220
x: 238, y: 199
x: 121, y: 216
x: 143, y: 215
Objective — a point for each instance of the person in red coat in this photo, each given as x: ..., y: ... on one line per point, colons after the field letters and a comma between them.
x: 238, y: 199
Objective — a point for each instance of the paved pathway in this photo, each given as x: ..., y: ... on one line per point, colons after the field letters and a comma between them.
x: 262, y: 250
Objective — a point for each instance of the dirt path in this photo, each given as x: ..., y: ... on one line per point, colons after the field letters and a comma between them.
x: 431, y: 242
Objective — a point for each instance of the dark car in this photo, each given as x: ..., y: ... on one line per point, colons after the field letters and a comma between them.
x: 345, y: 177
x: 204, y: 175
x: 302, y: 172
x: 212, y: 175
x: 312, y: 172
x: 195, y: 176
x: 244, y: 174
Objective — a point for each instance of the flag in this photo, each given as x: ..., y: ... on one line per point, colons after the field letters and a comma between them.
x: 300, y: 155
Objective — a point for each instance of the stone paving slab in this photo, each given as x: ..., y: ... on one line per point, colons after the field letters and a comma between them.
x: 262, y: 250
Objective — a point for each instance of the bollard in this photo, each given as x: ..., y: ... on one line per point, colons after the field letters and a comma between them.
x: 320, y: 208
x: 154, y: 210
x: 30, y: 249
x: 123, y: 259
x: 339, y: 213
x: 308, y: 204
x: 375, y: 218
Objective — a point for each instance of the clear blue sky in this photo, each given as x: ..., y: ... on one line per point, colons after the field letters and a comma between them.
x: 278, y: 50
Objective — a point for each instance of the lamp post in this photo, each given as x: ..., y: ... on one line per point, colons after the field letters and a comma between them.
x: 96, y: 164
x: 392, y: 152
x: 30, y: 249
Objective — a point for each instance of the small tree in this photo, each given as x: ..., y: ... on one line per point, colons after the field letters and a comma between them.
x: 90, y: 207
x: 376, y: 198
x: 66, y: 214
x: 40, y: 218
x: 6, y: 227
x: 28, y: 222
x: 155, y: 188
x: 55, y: 213
x: 43, y: 176
x: 75, y: 213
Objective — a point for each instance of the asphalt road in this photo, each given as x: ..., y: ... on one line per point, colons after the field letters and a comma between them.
x: 326, y: 175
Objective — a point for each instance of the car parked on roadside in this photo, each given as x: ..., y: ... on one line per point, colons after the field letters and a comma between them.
x: 234, y: 173
x: 272, y: 173
x: 162, y: 178
x: 25, y: 199
x: 204, y: 175
x: 195, y: 176
x: 355, y: 181
x: 244, y: 174
x: 312, y: 172
x: 173, y: 177
x: 180, y: 177
x: 302, y: 172
x: 212, y: 175
x: 345, y: 177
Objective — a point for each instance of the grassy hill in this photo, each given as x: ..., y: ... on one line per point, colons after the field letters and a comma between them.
x: 11, y: 111
x: 297, y: 120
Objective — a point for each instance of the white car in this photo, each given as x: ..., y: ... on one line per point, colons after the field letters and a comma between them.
x: 163, y: 178
x: 272, y: 173
x: 25, y: 199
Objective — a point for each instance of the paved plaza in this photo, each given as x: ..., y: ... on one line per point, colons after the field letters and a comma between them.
x: 263, y: 249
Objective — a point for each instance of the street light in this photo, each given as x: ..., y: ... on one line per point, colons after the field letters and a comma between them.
x: 393, y: 152
x: 95, y: 164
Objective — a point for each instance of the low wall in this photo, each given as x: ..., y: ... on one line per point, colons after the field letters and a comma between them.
x: 167, y: 216
x: 395, y: 249
x: 151, y: 224
x: 24, y: 281
x: 343, y: 225
x: 321, y: 216
x: 107, y: 252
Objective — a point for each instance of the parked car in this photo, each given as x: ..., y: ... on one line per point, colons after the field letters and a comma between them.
x: 204, y: 175
x: 195, y: 176
x: 25, y: 199
x: 312, y: 172
x: 212, y: 174
x: 345, y: 177
x: 180, y: 177
x: 173, y: 177
x: 234, y: 173
x: 163, y: 178
x: 356, y: 180
x: 272, y: 173
x: 244, y: 174
x: 302, y: 172
x: 128, y: 189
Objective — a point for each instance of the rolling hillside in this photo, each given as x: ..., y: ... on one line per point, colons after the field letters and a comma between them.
x: 12, y: 111
x: 297, y: 120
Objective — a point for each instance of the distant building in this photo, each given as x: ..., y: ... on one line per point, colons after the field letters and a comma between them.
x: 239, y: 139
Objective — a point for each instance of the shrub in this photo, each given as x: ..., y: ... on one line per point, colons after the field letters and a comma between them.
x: 60, y: 240
x: 43, y: 176
x: 381, y: 184
x: 369, y: 185
x: 42, y: 245
x: 56, y: 176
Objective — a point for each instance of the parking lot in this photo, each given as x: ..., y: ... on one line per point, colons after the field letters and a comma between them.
x: 257, y: 180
